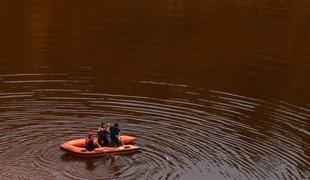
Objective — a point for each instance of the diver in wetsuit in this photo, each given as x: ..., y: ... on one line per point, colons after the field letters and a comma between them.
x: 114, y: 135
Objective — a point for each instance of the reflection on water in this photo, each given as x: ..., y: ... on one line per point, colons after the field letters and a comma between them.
x: 212, y: 89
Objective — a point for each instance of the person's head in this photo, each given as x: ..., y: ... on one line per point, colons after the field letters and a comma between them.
x: 115, y: 124
x: 102, y: 124
x: 91, y: 134
x: 108, y: 124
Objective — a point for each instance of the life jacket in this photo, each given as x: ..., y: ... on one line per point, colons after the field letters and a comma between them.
x: 102, y: 132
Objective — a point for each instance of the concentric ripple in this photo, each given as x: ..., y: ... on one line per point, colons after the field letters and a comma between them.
x: 214, y: 134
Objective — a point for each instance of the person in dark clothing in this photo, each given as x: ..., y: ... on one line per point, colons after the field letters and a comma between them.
x: 106, y: 137
x: 89, y: 142
x: 103, y: 135
x: 114, y: 134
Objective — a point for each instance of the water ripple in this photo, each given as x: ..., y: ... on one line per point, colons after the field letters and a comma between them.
x: 215, y: 133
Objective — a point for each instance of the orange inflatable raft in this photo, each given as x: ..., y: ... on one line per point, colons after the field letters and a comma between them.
x: 77, y: 148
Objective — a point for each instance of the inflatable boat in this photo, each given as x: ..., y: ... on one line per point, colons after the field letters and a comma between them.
x: 77, y: 148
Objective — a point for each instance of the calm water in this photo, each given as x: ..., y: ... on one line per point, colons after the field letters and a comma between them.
x: 212, y: 89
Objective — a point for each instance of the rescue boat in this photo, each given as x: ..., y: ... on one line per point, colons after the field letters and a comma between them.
x: 77, y: 148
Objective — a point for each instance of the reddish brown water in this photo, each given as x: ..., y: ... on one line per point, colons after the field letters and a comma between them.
x: 212, y: 89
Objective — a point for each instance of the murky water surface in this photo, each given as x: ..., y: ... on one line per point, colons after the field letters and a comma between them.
x: 212, y: 89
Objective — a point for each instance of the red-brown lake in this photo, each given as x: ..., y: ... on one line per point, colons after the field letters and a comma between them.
x: 212, y: 89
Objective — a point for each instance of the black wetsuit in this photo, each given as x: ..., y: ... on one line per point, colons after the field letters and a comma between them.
x: 114, y: 132
x: 91, y: 146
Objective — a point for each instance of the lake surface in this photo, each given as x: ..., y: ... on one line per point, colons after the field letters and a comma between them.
x: 212, y: 89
